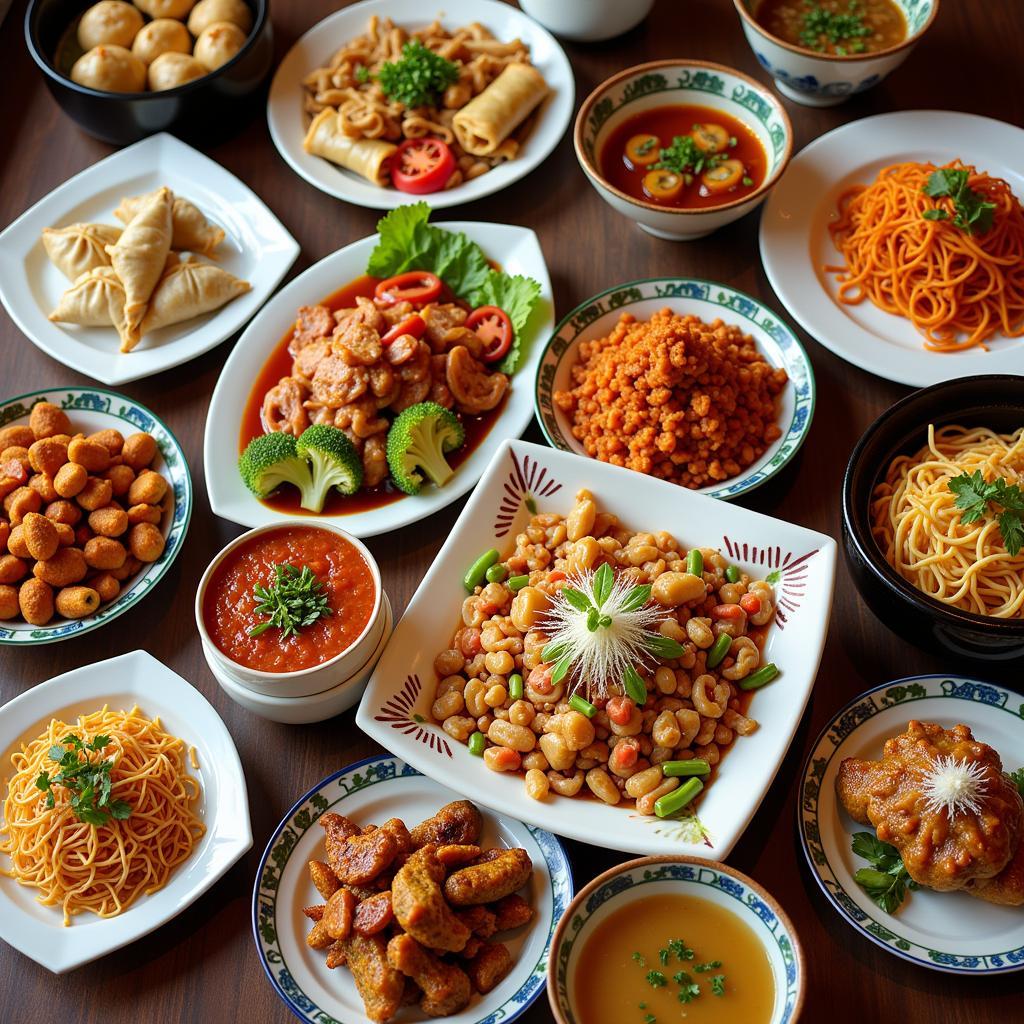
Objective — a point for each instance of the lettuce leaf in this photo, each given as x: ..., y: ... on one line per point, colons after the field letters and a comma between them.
x: 409, y: 242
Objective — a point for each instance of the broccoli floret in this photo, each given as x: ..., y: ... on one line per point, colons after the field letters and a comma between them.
x: 418, y: 440
x: 271, y: 460
x: 334, y: 462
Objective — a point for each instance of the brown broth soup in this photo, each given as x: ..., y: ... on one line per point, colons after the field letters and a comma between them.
x: 842, y: 28
x: 735, y: 150
x: 279, y: 364
x: 630, y: 970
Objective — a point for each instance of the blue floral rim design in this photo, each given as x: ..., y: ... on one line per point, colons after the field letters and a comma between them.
x: 380, y: 768
x: 176, y: 471
x: 795, y: 360
x: 860, y: 709
x: 694, y: 874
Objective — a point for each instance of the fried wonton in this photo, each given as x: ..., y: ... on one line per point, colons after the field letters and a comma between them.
x: 190, y: 230
x: 78, y: 248
x: 97, y: 299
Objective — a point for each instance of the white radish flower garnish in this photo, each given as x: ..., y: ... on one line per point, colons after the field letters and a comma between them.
x: 954, y: 786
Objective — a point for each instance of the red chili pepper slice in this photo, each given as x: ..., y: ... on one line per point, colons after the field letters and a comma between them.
x: 412, y: 286
x: 494, y: 328
x: 414, y: 325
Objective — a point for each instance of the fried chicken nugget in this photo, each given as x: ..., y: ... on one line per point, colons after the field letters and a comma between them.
x: 456, y: 823
x: 324, y: 879
x: 363, y: 858
x: 490, y: 880
x: 338, y: 830
x: 380, y: 985
x: 420, y: 906
x: 374, y: 914
x: 339, y: 914
x: 455, y: 855
x: 446, y: 988
x: 482, y: 922
x: 489, y: 966
x: 511, y: 912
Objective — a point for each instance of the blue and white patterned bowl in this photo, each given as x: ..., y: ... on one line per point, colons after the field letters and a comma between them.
x: 372, y: 791
x: 823, y: 80
x: 690, y: 876
x: 699, y: 83
x: 90, y: 410
x: 775, y: 340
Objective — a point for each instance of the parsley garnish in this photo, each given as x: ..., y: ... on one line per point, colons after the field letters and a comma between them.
x: 973, y: 212
x: 362, y: 74
x: 844, y: 30
x: 973, y: 497
x: 87, y: 781
x: 649, y: 1018
x: 683, y: 156
x: 639, y: 958
x: 1017, y: 778
x: 663, y: 956
x: 294, y: 600
x: 680, y: 949
x: 711, y: 965
x: 887, y: 882
x: 718, y: 984
x: 688, y: 993
x: 656, y: 979
x: 419, y: 78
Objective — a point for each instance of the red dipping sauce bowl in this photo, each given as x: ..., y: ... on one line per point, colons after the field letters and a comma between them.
x: 319, y: 656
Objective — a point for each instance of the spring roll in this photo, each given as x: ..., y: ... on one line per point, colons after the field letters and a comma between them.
x: 368, y: 157
x: 487, y: 120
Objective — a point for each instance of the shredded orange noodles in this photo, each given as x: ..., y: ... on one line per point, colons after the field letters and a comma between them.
x: 958, y: 289
x: 102, y: 869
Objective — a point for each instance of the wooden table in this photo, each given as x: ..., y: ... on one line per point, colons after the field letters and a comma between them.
x: 203, y: 966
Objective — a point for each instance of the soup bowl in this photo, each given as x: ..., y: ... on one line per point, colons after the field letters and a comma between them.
x: 206, y: 107
x: 667, y: 875
x: 311, y: 679
x: 823, y: 80
x: 992, y: 400
x: 681, y: 83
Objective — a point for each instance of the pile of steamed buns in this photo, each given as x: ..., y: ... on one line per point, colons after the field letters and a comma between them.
x: 182, y: 41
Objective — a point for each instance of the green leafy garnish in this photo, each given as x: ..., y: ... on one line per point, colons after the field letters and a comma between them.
x: 294, y: 600
x: 419, y: 77
x: 688, y: 992
x: 656, y: 979
x: 362, y: 74
x: 663, y: 956
x: 972, y: 211
x: 87, y: 781
x: 718, y: 984
x: 649, y: 1018
x: 681, y: 949
x: 641, y: 960
x: 887, y: 881
x: 844, y: 30
x: 711, y: 965
x: 684, y: 156
x: 1017, y: 778
x: 518, y: 297
x: 974, y: 495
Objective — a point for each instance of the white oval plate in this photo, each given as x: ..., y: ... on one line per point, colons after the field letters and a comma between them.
x: 946, y: 931
x: 373, y: 791
x: 92, y: 409
x: 256, y: 248
x: 315, y: 48
x: 135, y: 678
x: 598, y: 316
x: 796, y: 245
x: 518, y: 252
x: 523, y: 478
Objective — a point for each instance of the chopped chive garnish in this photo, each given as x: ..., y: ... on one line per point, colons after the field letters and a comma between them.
x: 582, y: 705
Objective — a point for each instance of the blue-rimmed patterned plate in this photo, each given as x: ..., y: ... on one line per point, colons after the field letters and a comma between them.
x: 687, y: 876
x: 596, y: 317
x: 948, y: 931
x: 373, y: 791
x: 92, y: 409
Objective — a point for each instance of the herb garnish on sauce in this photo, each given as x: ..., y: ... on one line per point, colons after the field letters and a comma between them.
x: 972, y: 211
x: 974, y: 495
x: 294, y: 600
x: 887, y: 881
x: 843, y: 30
x: 87, y: 781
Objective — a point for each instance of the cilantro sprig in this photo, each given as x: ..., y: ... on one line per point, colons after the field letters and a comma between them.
x: 972, y: 211
x: 88, y: 781
x: 974, y: 496
x: 887, y: 880
x: 419, y: 77
x: 687, y: 989
x: 294, y: 600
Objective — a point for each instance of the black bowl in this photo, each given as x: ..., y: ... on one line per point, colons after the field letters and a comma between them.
x: 211, y: 106
x: 995, y: 401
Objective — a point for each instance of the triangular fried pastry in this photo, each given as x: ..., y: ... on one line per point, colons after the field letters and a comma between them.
x: 189, y: 289
x: 190, y: 230
x: 97, y: 299
x: 78, y: 248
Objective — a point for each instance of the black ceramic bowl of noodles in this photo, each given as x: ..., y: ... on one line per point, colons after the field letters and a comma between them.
x: 212, y: 106
x: 994, y: 401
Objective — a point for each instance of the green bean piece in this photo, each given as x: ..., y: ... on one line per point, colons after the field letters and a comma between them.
x: 732, y: 574
x: 695, y: 562
x: 678, y: 798
x: 496, y: 574
x: 685, y: 768
x: 583, y: 706
x: 720, y: 649
x: 634, y: 686
x: 516, y: 583
x: 515, y: 686
x: 477, y: 742
x: 765, y: 674
x: 478, y: 570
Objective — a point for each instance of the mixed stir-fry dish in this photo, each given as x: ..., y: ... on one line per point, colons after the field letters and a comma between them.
x: 598, y: 659
x: 379, y: 391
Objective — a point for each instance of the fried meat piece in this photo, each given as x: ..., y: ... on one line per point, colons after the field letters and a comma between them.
x: 337, y: 832
x: 482, y: 922
x: 939, y: 850
x: 1006, y: 888
x: 395, y: 827
x: 420, y: 906
x: 490, y: 965
x: 511, y: 912
x: 312, y: 324
x: 324, y: 879
x: 379, y: 984
x: 339, y: 914
x: 374, y: 914
x: 454, y: 824
x: 457, y: 854
x: 446, y: 987
x: 364, y: 857
x: 490, y: 880
x: 283, y: 408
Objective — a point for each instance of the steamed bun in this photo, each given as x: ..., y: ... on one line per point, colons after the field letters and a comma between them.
x: 111, y: 69
x: 218, y: 44
x: 209, y: 12
x: 164, y: 35
x: 171, y: 69
x: 166, y: 8
x: 109, y: 21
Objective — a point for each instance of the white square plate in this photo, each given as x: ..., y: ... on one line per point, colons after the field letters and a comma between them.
x: 395, y: 709
x: 257, y: 248
x: 135, y: 678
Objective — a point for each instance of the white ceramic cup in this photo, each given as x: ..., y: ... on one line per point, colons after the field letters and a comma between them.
x: 587, y: 21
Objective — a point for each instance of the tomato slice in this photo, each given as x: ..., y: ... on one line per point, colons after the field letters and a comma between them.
x: 422, y: 165
x: 412, y: 286
x: 414, y: 325
x: 493, y: 327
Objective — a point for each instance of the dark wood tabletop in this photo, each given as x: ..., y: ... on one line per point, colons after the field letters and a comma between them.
x: 203, y: 966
